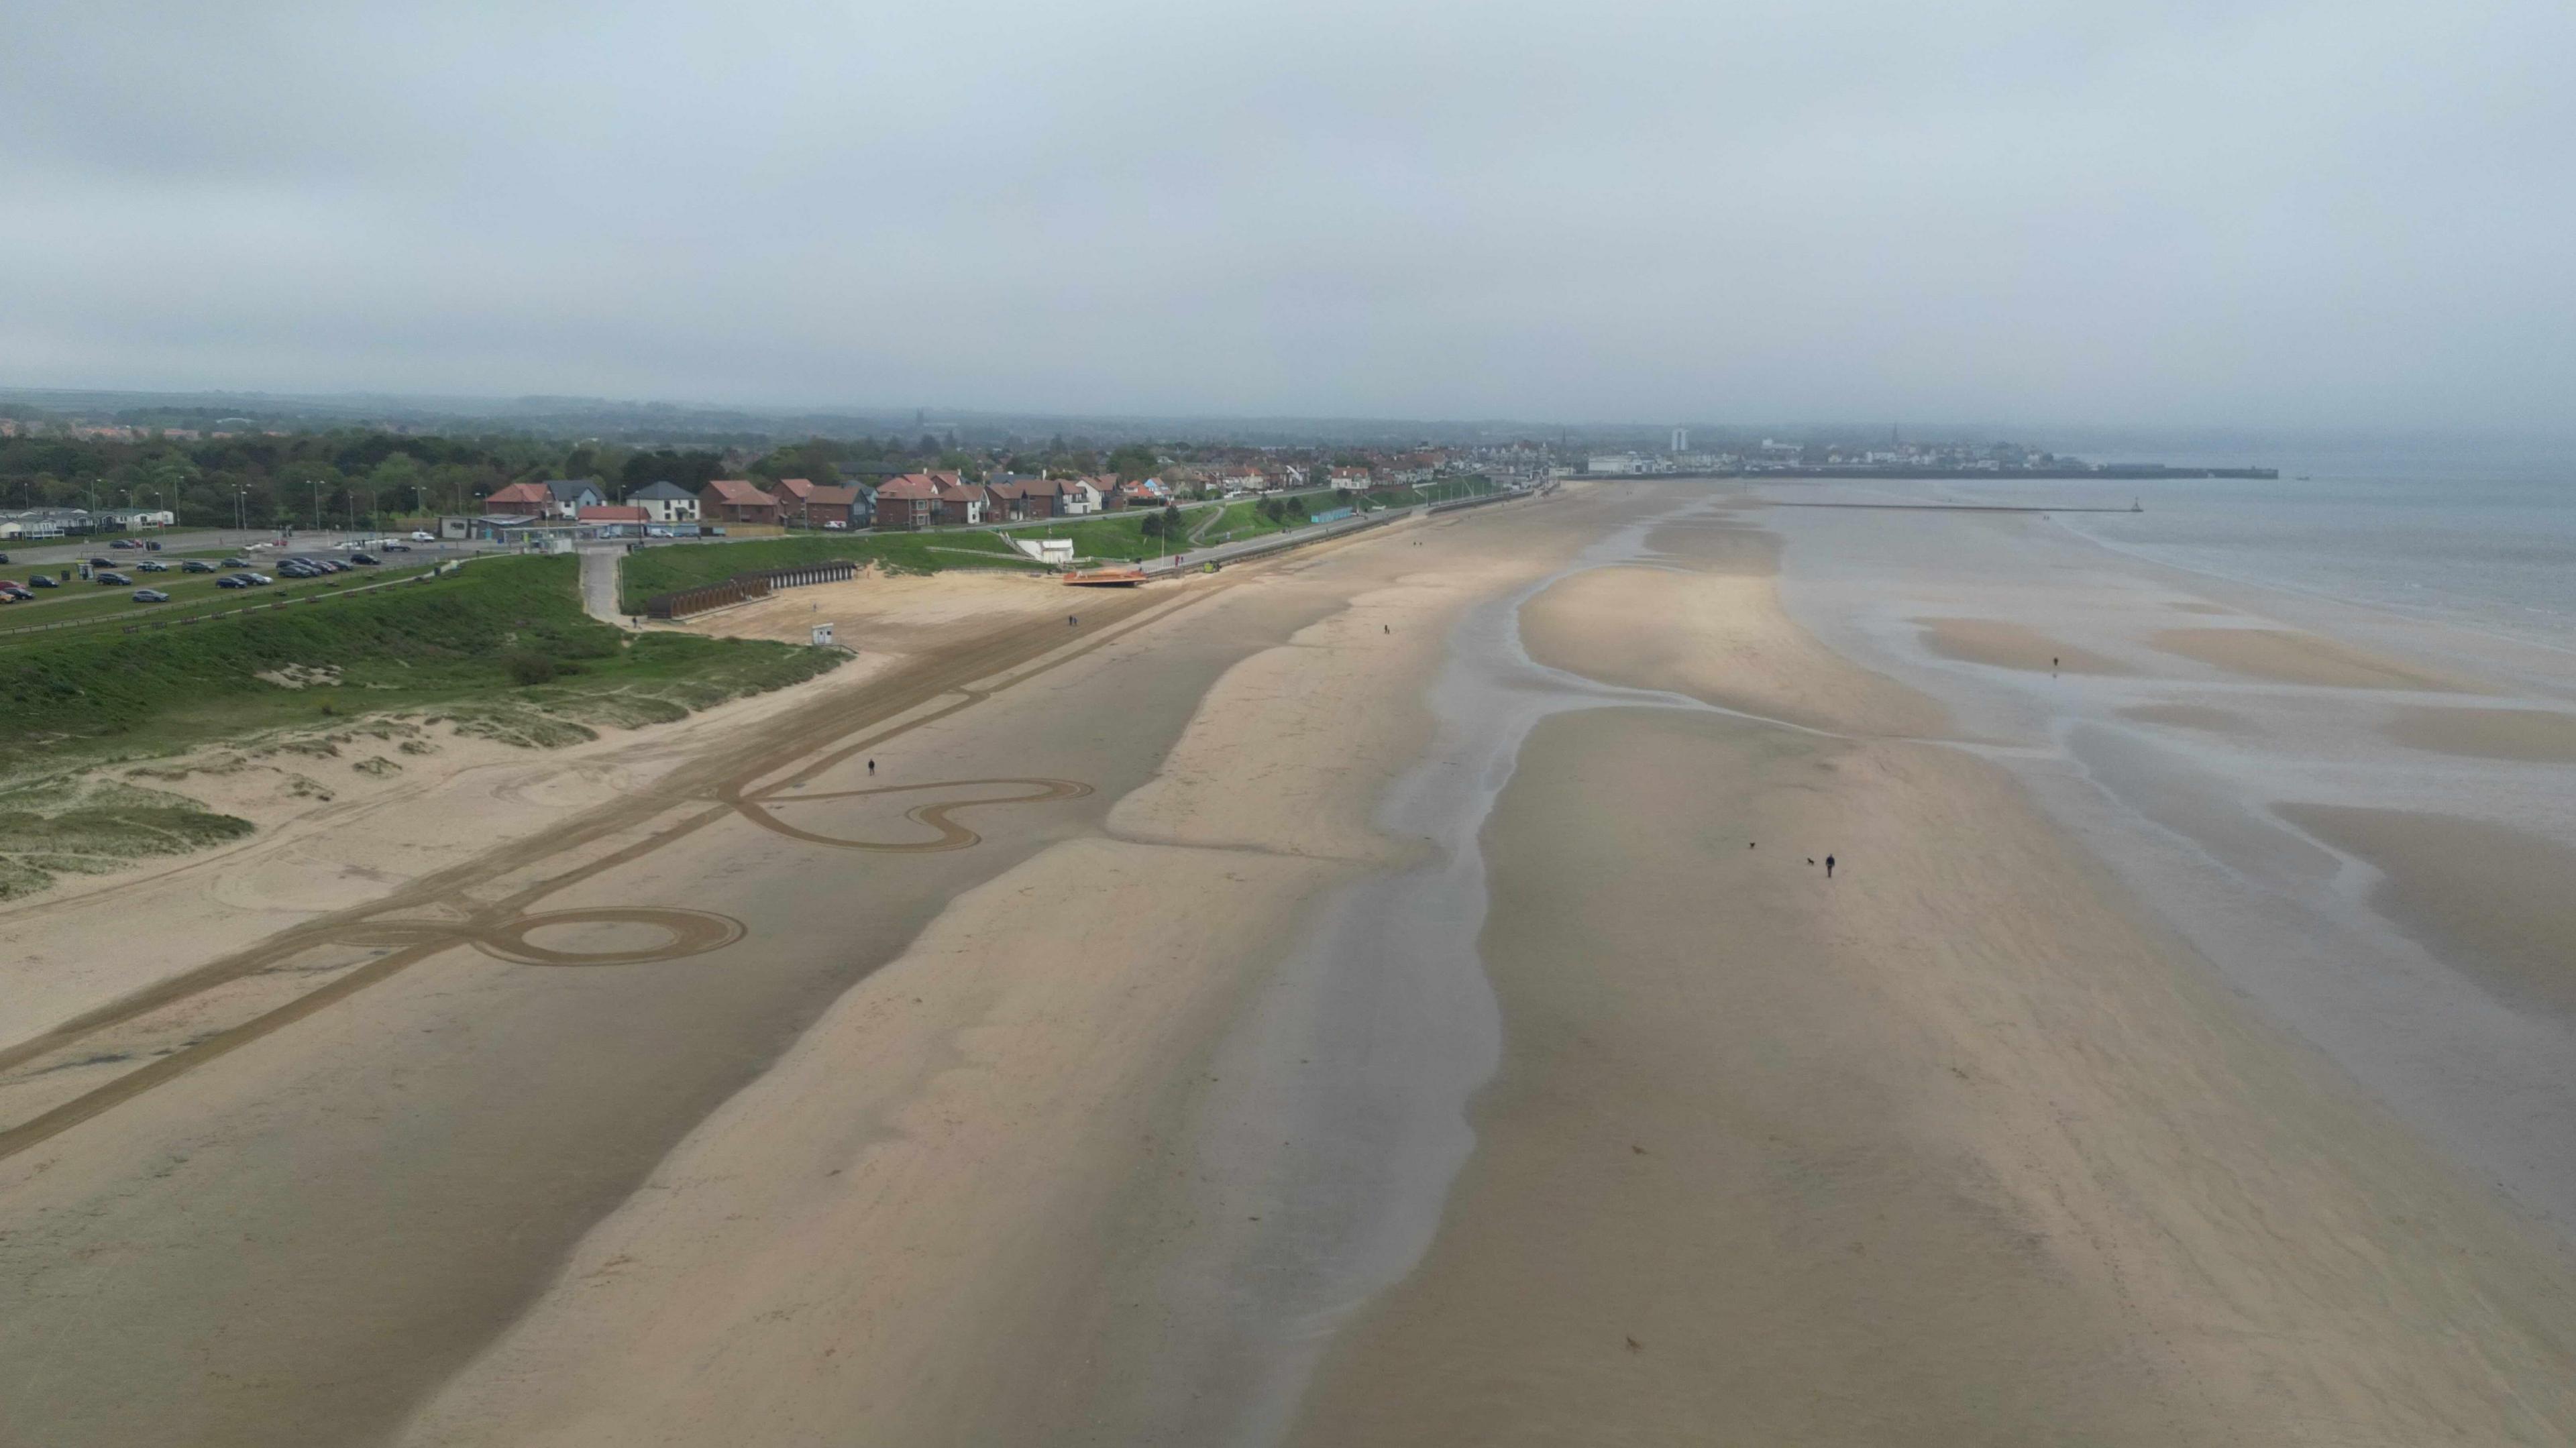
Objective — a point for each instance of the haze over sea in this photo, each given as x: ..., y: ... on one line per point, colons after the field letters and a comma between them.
x: 2480, y: 533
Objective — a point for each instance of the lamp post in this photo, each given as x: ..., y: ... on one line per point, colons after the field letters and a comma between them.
x: 317, y: 504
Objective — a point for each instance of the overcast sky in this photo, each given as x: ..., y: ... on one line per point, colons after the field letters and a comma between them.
x: 2236, y: 212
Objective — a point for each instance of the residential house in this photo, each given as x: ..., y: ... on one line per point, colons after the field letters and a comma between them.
x: 568, y: 496
x: 910, y: 501
x: 555, y: 498
x: 1083, y: 496
x: 794, y: 495
x: 829, y: 505
x: 736, y: 500
x: 519, y: 500
x: 1350, y: 480
x: 665, y: 502
x: 961, y: 503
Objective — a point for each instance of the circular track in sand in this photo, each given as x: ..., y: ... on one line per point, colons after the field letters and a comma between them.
x: 937, y: 815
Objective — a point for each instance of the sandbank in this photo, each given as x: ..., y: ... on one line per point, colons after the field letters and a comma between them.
x: 2533, y: 736
x: 2282, y: 657
x: 2191, y: 716
x: 2005, y: 645
x: 1718, y: 636
x: 2495, y: 903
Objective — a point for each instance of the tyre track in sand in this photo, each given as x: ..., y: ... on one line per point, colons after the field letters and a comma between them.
x: 443, y: 910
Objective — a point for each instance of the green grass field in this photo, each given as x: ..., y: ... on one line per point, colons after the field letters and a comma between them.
x: 191, y: 595
x: 689, y: 565
x: 502, y: 641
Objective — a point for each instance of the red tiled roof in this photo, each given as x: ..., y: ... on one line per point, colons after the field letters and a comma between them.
x: 911, y: 485
x: 521, y: 493
x: 796, y: 487
x: 737, y: 490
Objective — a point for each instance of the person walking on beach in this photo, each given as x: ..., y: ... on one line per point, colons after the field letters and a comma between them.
x: 1829, y: 867
x: 872, y: 769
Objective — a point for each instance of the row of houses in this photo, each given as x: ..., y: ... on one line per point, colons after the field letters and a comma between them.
x: 915, y: 500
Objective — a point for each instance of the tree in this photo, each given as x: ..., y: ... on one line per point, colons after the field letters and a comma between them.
x: 1133, y: 462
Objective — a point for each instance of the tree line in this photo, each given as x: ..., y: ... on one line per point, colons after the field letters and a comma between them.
x: 341, y: 477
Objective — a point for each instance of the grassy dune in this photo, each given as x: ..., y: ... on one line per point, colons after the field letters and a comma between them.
x: 499, y: 631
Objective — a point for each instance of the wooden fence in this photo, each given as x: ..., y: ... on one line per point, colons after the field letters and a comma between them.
x: 744, y: 587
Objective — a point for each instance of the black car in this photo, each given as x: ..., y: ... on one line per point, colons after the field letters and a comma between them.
x: 4, y: 557
x: 195, y: 565
x: 112, y: 577
x: 150, y: 595
x: 102, y: 563
x: 389, y: 548
x: 232, y: 580
x: 237, y: 563
x: 155, y: 547
x: 123, y: 543
x: 368, y: 559
x: 41, y: 581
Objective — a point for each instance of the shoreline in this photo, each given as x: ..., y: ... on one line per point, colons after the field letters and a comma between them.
x: 1411, y: 1010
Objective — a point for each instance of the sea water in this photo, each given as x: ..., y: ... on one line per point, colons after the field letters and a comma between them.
x: 2482, y: 534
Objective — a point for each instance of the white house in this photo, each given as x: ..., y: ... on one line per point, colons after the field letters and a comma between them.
x: 1082, y: 495
x: 665, y: 502
x: 1616, y: 463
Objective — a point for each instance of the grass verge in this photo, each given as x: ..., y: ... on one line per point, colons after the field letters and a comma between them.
x: 689, y: 565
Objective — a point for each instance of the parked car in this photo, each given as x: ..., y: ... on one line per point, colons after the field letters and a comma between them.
x: 153, y: 565
x: 102, y: 563
x: 232, y: 580
x: 150, y: 595
x: 259, y: 580
x: 196, y: 565
x: 111, y: 577
x: 123, y: 543
x: 369, y: 559
x: 17, y: 595
x: 38, y: 580
x: 237, y: 563
x: 4, y: 557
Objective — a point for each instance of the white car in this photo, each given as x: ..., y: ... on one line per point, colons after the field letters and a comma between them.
x: 420, y: 537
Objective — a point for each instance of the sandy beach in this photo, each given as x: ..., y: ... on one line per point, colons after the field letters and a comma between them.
x: 1386, y: 993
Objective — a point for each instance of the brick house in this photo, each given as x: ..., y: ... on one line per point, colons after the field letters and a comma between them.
x: 736, y: 500
x: 910, y: 501
x: 827, y: 505
x: 519, y: 500
x: 961, y: 503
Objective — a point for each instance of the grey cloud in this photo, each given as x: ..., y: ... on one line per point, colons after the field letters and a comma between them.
x: 2255, y: 213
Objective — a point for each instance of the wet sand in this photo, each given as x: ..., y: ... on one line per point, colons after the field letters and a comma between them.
x: 2535, y: 736
x: 2499, y: 903
x: 2005, y: 645
x: 2281, y: 657
x: 2190, y: 716
x: 1958, y: 1147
